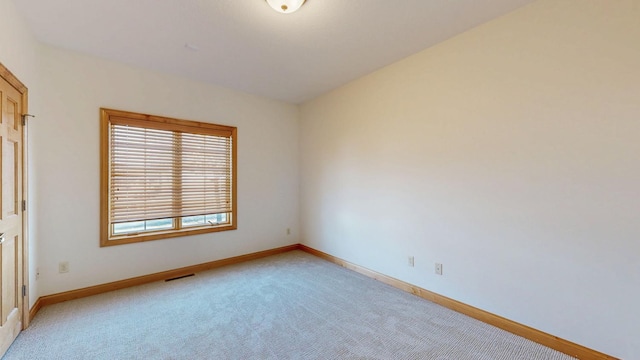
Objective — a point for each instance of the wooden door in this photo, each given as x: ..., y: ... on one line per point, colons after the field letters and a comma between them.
x: 11, y: 230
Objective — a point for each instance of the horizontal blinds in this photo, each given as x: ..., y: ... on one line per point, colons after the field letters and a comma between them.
x: 156, y: 174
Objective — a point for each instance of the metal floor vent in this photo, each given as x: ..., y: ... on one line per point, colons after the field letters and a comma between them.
x: 179, y: 277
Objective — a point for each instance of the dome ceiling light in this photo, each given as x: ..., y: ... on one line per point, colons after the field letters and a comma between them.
x: 285, y: 6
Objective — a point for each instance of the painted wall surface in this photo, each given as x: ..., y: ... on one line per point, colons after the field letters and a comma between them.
x: 19, y: 53
x: 67, y: 147
x: 511, y: 155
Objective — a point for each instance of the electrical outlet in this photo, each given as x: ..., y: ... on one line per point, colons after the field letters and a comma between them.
x: 438, y: 269
x: 288, y: 231
x: 410, y: 261
x: 63, y: 267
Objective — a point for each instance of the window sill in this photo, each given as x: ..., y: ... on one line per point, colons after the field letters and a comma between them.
x: 158, y: 235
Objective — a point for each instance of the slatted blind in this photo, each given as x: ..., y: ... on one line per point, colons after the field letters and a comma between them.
x: 157, y: 173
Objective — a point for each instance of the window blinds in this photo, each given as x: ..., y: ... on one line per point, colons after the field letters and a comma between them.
x: 158, y: 173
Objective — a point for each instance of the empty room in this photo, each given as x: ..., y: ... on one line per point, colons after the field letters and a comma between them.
x: 320, y: 179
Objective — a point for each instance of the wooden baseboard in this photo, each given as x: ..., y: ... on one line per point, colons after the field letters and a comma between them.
x: 34, y: 310
x: 527, y: 332
x: 117, y: 285
x: 513, y: 327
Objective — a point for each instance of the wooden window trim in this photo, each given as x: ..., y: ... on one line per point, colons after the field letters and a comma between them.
x: 110, y: 116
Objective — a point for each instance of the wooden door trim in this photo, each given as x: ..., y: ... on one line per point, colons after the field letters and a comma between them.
x: 12, y: 79
x: 9, y: 77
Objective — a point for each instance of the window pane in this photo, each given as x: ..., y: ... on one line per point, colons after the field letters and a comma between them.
x: 160, y: 224
x: 128, y: 227
x: 193, y: 221
x: 217, y: 218
x: 142, y: 226
x: 202, y: 220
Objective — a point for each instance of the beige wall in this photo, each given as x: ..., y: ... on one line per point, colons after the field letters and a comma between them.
x: 18, y: 48
x: 64, y: 162
x: 67, y: 147
x: 511, y: 154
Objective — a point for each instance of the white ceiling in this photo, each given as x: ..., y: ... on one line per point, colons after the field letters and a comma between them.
x: 245, y: 45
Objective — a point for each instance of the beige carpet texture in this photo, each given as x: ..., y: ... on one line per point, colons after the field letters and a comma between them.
x: 287, y: 306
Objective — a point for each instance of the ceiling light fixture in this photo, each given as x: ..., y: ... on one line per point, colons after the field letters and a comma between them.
x: 285, y: 6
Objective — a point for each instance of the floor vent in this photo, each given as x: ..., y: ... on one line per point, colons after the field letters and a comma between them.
x: 179, y: 277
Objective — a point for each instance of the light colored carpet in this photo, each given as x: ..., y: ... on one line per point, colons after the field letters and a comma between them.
x: 288, y: 306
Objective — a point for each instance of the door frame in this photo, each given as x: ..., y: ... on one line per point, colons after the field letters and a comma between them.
x: 22, y: 89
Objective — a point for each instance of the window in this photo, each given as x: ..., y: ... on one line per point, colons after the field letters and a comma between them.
x: 165, y: 177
